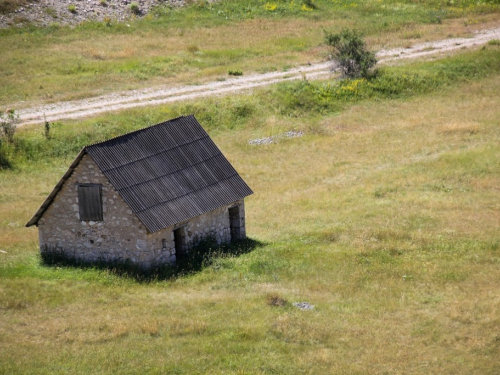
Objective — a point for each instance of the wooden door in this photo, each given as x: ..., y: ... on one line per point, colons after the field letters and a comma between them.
x: 234, y: 223
x: 179, y: 243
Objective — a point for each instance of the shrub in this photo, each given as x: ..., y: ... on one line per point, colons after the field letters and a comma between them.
x: 235, y: 72
x: 192, y: 48
x: 308, y: 5
x: 271, y: 7
x: 350, y: 53
x: 276, y: 301
x: 4, y: 160
x: 72, y: 8
x: 8, y: 125
x: 46, y: 132
x: 134, y: 8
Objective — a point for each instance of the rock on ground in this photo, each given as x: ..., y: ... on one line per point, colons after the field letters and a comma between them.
x: 304, y: 305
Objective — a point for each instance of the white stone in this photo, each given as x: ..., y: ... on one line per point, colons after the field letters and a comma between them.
x: 141, y: 244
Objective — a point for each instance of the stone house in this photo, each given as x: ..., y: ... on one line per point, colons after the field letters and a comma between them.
x: 144, y: 197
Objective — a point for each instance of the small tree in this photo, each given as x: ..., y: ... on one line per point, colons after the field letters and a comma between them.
x: 47, y: 128
x: 350, y: 53
x: 8, y: 125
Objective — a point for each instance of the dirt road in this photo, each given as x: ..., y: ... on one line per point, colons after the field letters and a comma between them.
x: 162, y: 95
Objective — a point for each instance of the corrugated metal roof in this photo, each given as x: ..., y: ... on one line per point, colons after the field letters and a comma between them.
x: 166, y: 173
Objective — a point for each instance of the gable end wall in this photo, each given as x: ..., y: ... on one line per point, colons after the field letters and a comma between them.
x: 119, y: 237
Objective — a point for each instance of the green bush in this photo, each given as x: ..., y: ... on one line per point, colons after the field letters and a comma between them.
x: 134, y: 8
x: 4, y: 158
x: 350, y: 53
x: 310, y: 4
x: 8, y: 125
x: 235, y: 72
x: 387, y: 83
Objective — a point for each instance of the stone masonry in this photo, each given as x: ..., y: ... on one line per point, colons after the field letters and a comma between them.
x: 121, y: 236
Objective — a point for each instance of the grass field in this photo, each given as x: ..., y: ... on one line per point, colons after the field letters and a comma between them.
x: 384, y: 216
x: 203, y: 42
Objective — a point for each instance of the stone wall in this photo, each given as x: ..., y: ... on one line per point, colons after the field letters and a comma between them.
x: 120, y: 236
x: 214, y: 224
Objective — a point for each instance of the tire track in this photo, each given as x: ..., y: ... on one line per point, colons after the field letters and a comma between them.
x: 162, y: 95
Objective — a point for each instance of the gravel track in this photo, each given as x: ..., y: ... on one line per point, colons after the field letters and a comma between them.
x: 167, y: 94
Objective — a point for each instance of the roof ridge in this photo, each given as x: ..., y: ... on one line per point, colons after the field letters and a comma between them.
x: 135, y: 131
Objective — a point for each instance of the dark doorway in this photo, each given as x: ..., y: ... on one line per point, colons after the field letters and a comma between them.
x: 179, y: 243
x: 235, y: 223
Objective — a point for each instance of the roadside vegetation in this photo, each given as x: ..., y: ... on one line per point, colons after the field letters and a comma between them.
x: 192, y: 44
x: 384, y: 216
x: 350, y: 54
x: 297, y: 99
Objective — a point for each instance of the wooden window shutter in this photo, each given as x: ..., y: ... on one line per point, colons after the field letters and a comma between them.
x: 90, y: 202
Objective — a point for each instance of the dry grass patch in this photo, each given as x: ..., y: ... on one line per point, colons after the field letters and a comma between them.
x: 383, y: 216
x: 68, y: 64
x: 459, y: 129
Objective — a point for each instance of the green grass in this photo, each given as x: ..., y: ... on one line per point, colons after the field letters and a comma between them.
x: 296, y: 99
x: 395, y: 82
x: 188, y: 45
x: 384, y: 216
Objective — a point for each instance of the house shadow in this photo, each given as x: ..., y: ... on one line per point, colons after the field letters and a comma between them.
x: 200, y: 256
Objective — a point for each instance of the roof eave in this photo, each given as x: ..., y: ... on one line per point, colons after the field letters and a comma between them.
x: 34, y: 220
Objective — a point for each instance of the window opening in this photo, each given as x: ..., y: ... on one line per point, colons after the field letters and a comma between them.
x: 90, y: 202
